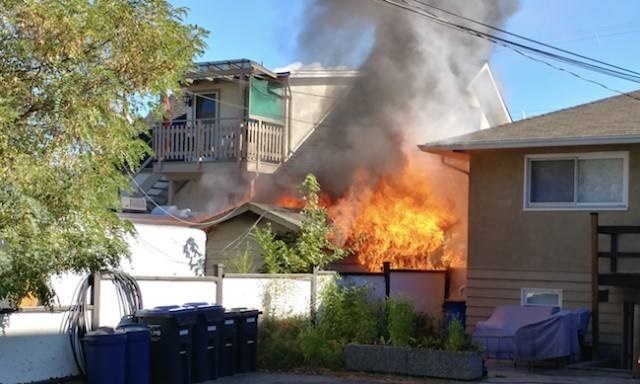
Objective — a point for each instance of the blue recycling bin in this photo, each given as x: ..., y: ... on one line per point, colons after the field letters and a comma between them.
x: 137, y: 355
x: 104, y: 351
x: 455, y: 310
x: 170, y: 328
x: 206, y: 341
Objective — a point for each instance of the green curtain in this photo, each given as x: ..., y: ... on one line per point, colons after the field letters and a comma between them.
x: 265, y: 99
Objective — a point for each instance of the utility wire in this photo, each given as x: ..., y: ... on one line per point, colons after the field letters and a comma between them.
x: 178, y: 218
x: 425, y: 4
x: 520, y: 48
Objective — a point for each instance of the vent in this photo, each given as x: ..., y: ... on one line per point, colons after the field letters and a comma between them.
x: 133, y: 204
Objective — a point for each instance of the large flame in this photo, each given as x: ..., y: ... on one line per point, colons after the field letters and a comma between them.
x: 395, y: 218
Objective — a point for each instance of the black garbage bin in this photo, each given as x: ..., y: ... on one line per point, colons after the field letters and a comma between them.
x: 170, y: 328
x: 206, y: 341
x: 246, y: 339
x: 228, y: 351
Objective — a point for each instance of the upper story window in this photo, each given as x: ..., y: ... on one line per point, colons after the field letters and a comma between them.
x: 206, y: 106
x: 577, y: 181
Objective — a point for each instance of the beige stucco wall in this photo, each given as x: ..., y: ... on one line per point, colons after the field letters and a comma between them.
x: 230, y: 94
x: 510, y: 248
x: 235, y: 232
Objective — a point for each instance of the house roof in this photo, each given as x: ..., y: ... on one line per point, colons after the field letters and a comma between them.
x: 147, y: 218
x: 288, y: 218
x: 614, y: 120
x: 211, y: 70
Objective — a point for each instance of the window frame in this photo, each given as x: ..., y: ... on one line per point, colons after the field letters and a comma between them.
x: 524, y: 291
x: 207, y: 94
x: 575, y: 205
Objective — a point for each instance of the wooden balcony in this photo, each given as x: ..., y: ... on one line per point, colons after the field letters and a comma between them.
x: 187, y: 145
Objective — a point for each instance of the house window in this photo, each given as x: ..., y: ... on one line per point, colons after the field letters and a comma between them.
x: 577, y: 181
x: 541, y: 297
x: 206, y: 106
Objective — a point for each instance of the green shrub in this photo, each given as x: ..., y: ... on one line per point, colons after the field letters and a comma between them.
x: 278, y: 343
x: 320, y: 350
x: 457, y: 340
x: 241, y: 263
x: 347, y: 316
x: 401, y: 322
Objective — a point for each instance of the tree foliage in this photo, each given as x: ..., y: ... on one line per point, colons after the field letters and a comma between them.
x: 312, y: 248
x: 75, y: 77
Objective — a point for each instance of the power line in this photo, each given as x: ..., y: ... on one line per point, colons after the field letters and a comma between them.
x: 520, y: 48
x: 525, y: 38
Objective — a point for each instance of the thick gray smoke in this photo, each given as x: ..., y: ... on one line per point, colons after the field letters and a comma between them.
x: 412, y: 87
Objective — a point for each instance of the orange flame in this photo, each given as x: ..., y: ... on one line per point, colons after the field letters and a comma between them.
x: 395, y: 219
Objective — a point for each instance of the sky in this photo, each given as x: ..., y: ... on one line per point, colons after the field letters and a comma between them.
x: 266, y: 31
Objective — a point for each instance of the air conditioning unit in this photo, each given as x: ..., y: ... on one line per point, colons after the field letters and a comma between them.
x: 133, y: 204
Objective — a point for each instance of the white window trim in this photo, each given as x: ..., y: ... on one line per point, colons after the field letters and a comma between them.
x: 575, y: 206
x: 524, y: 291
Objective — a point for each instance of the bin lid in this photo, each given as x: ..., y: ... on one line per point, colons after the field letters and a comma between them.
x: 181, y: 314
x: 105, y: 335
x: 132, y: 328
x: 212, y: 312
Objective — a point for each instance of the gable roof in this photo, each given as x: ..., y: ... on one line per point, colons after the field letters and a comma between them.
x: 614, y: 120
x: 288, y: 218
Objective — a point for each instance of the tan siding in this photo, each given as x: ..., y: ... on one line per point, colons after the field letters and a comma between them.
x: 510, y: 248
x: 236, y: 232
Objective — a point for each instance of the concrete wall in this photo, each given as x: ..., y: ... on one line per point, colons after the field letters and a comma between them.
x: 228, y: 241
x: 510, y: 248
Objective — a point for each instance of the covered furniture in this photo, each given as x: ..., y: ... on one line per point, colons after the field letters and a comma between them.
x: 497, y: 334
x: 553, y: 337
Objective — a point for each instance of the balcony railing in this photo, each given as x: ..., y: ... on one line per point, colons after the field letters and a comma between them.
x: 219, y: 139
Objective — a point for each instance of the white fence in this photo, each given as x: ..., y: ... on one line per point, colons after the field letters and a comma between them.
x: 33, y: 347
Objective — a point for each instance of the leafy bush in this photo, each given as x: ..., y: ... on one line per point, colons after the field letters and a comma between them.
x: 311, y: 249
x: 401, y: 322
x: 347, y: 315
x: 457, y: 340
x: 278, y: 341
x: 241, y: 263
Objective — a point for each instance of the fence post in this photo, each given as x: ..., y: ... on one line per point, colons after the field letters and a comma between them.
x: 314, y: 293
x: 95, y: 299
x: 595, y: 300
x: 386, y: 269
x: 218, y: 272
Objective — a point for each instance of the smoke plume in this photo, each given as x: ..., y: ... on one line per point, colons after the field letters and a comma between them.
x: 412, y: 86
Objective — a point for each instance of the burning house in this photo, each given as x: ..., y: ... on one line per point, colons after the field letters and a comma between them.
x: 251, y: 134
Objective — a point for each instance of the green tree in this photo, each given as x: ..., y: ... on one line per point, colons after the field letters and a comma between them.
x: 312, y: 248
x: 75, y: 77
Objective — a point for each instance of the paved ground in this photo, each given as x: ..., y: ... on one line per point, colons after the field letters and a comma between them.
x: 498, y: 373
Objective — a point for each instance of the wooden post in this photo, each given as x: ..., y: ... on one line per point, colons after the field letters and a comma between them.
x: 386, y: 269
x: 95, y: 300
x: 314, y: 293
x: 218, y: 272
x: 595, y: 315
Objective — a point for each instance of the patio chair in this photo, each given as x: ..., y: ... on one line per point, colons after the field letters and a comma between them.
x: 496, y: 335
